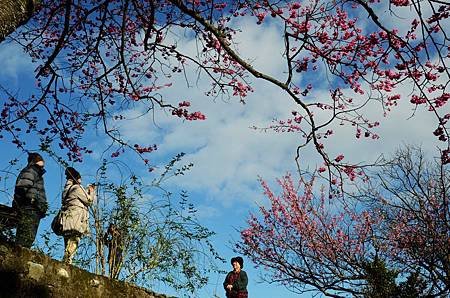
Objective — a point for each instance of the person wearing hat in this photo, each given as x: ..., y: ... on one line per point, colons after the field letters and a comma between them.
x: 75, y: 215
x: 236, y: 281
x: 30, y: 201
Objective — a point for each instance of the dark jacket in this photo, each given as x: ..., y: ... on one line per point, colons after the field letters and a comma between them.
x: 239, y: 285
x: 29, y: 191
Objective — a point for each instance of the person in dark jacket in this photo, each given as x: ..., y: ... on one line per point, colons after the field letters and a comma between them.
x: 30, y: 200
x: 235, y: 283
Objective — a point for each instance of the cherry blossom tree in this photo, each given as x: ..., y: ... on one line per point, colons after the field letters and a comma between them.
x: 305, y: 244
x: 399, y: 220
x: 96, y: 59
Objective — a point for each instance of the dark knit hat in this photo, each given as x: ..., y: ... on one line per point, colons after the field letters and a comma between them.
x: 239, y: 260
x: 34, y: 157
x: 73, y: 174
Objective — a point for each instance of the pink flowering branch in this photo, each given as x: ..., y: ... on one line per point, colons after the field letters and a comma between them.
x: 121, y: 55
x: 305, y: 241
x: 308, y: 241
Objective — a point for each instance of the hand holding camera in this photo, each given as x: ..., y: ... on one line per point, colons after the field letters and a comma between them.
x: 91, y: 188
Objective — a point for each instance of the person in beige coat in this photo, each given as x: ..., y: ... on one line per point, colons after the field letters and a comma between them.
x: 75, y: 214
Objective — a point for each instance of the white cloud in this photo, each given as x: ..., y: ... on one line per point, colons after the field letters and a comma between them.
x: 262, y: 45
x: 14, y: 63
x: 229, y: 156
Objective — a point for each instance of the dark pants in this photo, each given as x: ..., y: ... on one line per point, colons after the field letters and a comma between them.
x: 27, y: 226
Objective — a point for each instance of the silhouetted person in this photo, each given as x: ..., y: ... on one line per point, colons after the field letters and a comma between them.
x: 113, y: 239
x: 30, y: 200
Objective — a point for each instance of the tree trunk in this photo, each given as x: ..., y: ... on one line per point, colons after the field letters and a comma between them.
x: 14, y: 13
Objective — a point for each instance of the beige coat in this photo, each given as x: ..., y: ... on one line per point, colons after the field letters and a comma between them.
x: 75, y: 213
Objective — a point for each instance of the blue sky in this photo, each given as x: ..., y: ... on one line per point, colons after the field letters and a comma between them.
x: 228, y: 155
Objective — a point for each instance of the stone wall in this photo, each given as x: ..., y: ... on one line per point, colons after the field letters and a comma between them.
x: 27, y: 273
